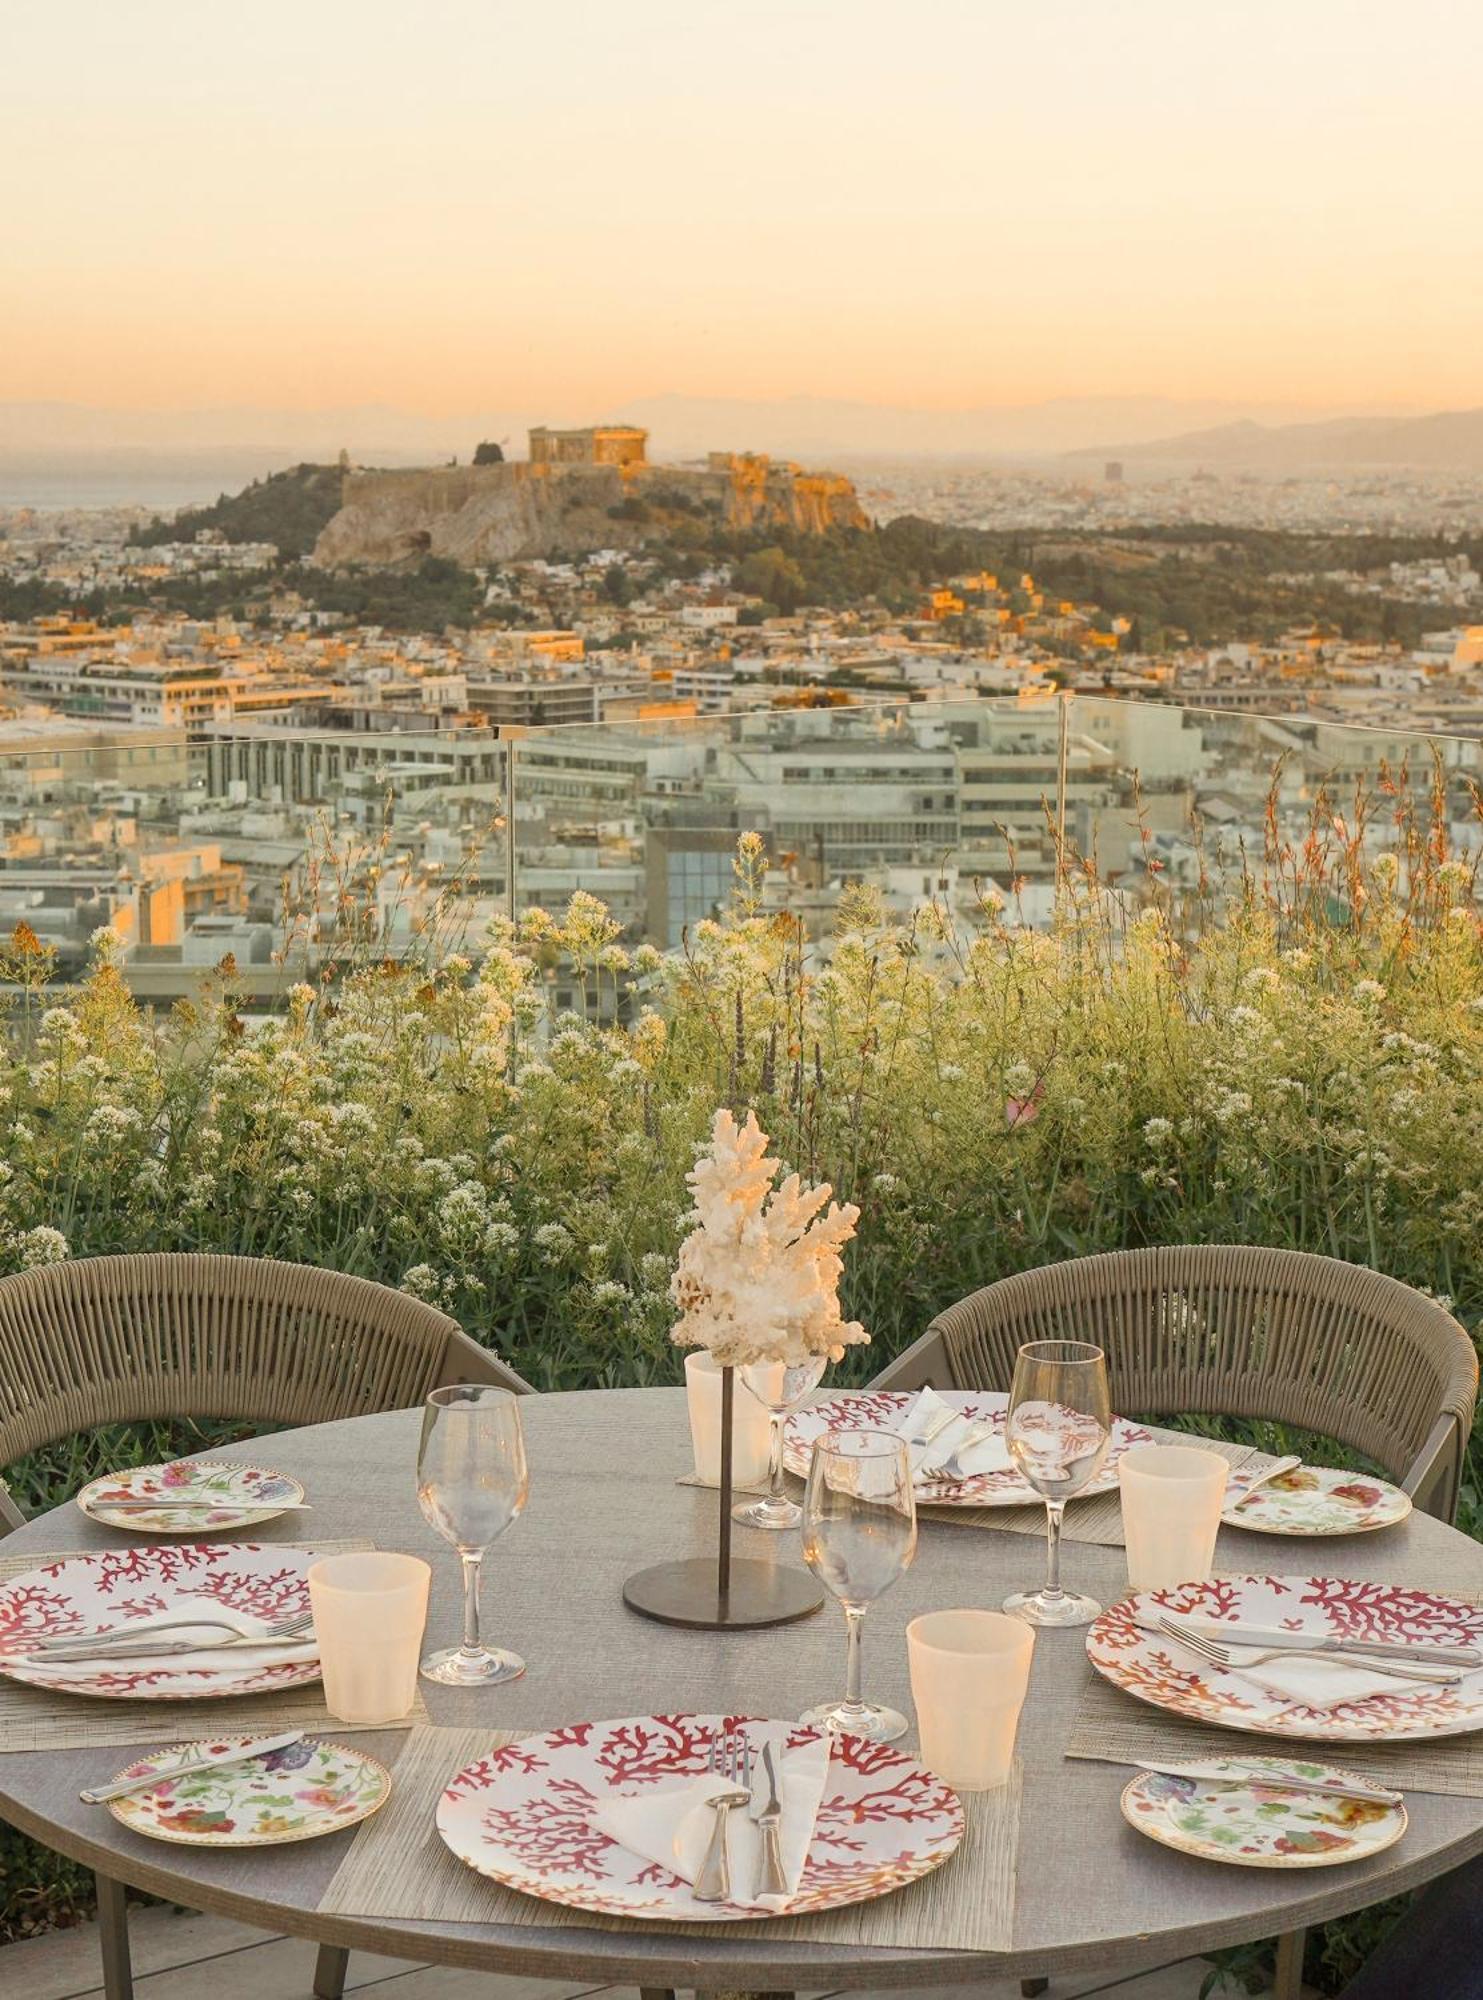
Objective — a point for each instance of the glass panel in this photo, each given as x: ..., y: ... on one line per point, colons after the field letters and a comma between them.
x: 1195, y: 802
x: 917, y: 800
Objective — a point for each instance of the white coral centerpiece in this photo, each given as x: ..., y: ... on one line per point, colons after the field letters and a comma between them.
x: 758, y: 1275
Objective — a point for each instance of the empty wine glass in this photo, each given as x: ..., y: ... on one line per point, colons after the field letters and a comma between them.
x: 472, y: 1482
x: 779, y: 1388
x: 1057, y: 1428
x: 859, y: 1536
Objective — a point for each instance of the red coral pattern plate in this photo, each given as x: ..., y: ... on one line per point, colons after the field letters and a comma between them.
x: 76, y: 1596
x: 523, y: 1815
x: 1155, y: 1669
x: 883, y: 1409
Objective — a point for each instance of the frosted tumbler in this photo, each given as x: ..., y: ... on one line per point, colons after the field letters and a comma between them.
x: 1171, y: 1501
x: 369, y: 1611
x: 751, y: 1426
x: 969, y: 1672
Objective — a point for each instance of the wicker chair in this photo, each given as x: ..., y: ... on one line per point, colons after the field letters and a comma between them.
x: 1224, y: 1330
x: 113, y: 1339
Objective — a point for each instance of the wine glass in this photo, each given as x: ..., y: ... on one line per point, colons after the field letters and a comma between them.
x: 472, y: 1482
x: 1058, y: 1428
x: 859, y: 1536
x: 779, y: 1388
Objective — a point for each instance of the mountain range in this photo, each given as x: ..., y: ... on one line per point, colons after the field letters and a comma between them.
x: 58, y: 454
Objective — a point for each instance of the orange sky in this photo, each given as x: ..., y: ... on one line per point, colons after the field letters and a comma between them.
x: 470, y: 204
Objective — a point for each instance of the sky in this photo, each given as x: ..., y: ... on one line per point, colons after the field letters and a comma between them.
x: 470, y: 204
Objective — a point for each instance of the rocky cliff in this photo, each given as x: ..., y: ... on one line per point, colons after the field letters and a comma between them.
x: 475, y: 514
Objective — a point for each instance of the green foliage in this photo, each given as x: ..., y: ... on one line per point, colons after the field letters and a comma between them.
x: 489, y: 454
x: 425, y: 599
x: 1308, y: 1071
x: 287, y: 508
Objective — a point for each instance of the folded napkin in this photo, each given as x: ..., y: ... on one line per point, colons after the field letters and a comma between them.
x: 673, y: 1827
x: 224, y: 1655
x: 989, y: 1454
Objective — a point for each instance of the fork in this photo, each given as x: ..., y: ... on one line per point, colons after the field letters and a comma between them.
x: 119, y: 1640
x: 1226, y: 1656
x: 952, y: 1467
x: 731, y: 1759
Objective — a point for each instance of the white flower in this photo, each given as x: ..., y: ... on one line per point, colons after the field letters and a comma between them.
x: 552, y: 1241
x: 1368, y: 989
x: 758, y: 1276
x: 608, y: 1292
x: 884, y: 1183
x: 1157, y: 1130
x: 1385, y: 869
x: 42, y: 1246
x: 1019, y: 1079
x: 1262, y: 979
x: 647, y: 959
x: 501, y: 1239
x: 422, y: 1281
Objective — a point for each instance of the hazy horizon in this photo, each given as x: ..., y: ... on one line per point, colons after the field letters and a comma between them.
x: 475, y: 208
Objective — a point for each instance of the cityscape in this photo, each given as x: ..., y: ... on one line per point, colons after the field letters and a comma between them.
x: 189, y: 720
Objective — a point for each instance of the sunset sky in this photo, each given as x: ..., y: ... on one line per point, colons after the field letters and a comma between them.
x: 465, y: 203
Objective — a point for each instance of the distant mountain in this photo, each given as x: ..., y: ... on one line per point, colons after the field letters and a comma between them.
x: 60, y: 454
x: 1449, y: 441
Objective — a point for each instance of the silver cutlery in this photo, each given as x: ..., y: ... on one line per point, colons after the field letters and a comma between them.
x: 1240, y: 1656
x: 1420, y: 1653
x: 263, y: 1746
x: 952, y: 1468
x: 772, y: 1880
x: 153, y: 1641
x: 922, y: 1434
x: 1242, y: 1486
x: 731, y: 1759
x: 1237, y: 1771
x: 181, y: 1501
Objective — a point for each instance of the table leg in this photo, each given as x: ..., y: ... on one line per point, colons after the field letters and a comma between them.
x: 656, y: 1993
x: 1030, y: 1987
x: 113, y: 1938
x: 329, y: 1972
x: 1288, y: 1981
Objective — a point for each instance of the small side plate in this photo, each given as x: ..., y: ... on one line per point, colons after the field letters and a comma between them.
x: 300, y: 1793
x: 1248, y: 1824
x: 241, y: 1496
x: 1319, y: 1500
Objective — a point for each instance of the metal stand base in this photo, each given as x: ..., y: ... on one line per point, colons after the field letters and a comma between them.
x: 689, y: 1593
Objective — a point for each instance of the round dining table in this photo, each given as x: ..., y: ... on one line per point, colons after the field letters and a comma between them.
x: 604, y: 1502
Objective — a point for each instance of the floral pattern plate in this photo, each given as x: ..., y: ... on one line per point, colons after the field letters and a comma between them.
x: 1317, y: 1500
x: 1159, y: 1670
x: 240, y: 1496
x: 1256, y: 1825
x: 883, y: 1409
x: 299, y: 1793
x: 522, y: 1815
x: 101, y: 1591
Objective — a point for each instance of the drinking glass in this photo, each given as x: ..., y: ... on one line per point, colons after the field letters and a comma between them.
x: 779, y: 1388
x: 472, y: 1483
x: 859, y: 1536
x: 369, y: 1610
x: 1171, y: 1500
x: 1058, y: 1428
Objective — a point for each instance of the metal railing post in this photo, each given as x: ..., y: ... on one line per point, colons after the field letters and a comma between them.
x: 510, y: 828
x: 1063, y: 734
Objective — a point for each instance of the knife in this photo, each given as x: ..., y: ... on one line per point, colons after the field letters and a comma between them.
x: 1320, y: 1642
x: 772, y: 1881
x: 1233, y: 1771
x: 215, y: 1505
x: 922, y: 1434
x: 262, y: 1746
x: 1242, y: 1486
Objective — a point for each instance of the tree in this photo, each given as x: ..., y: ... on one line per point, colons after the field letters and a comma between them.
x: 617, y: 585
x: 489, y: 454
x: 774, y: 577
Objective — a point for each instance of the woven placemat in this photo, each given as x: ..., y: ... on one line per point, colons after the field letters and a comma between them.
x: 399, y: 1868
x: 1112, y: 1728
x: 34, y: 1718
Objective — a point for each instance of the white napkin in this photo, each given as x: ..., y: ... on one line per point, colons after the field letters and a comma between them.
x: 673, y: 1828
x: 223, y: 1657
x: 990, y: 1454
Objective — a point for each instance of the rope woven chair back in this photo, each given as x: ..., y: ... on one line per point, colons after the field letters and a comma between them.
x: 1231, y: 1331
x: 112, y: 1339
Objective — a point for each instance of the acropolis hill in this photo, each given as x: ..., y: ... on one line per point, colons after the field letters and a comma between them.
x: 580, y: 490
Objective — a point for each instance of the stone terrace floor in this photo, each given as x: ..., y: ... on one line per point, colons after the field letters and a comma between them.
x: 185, y: 1956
